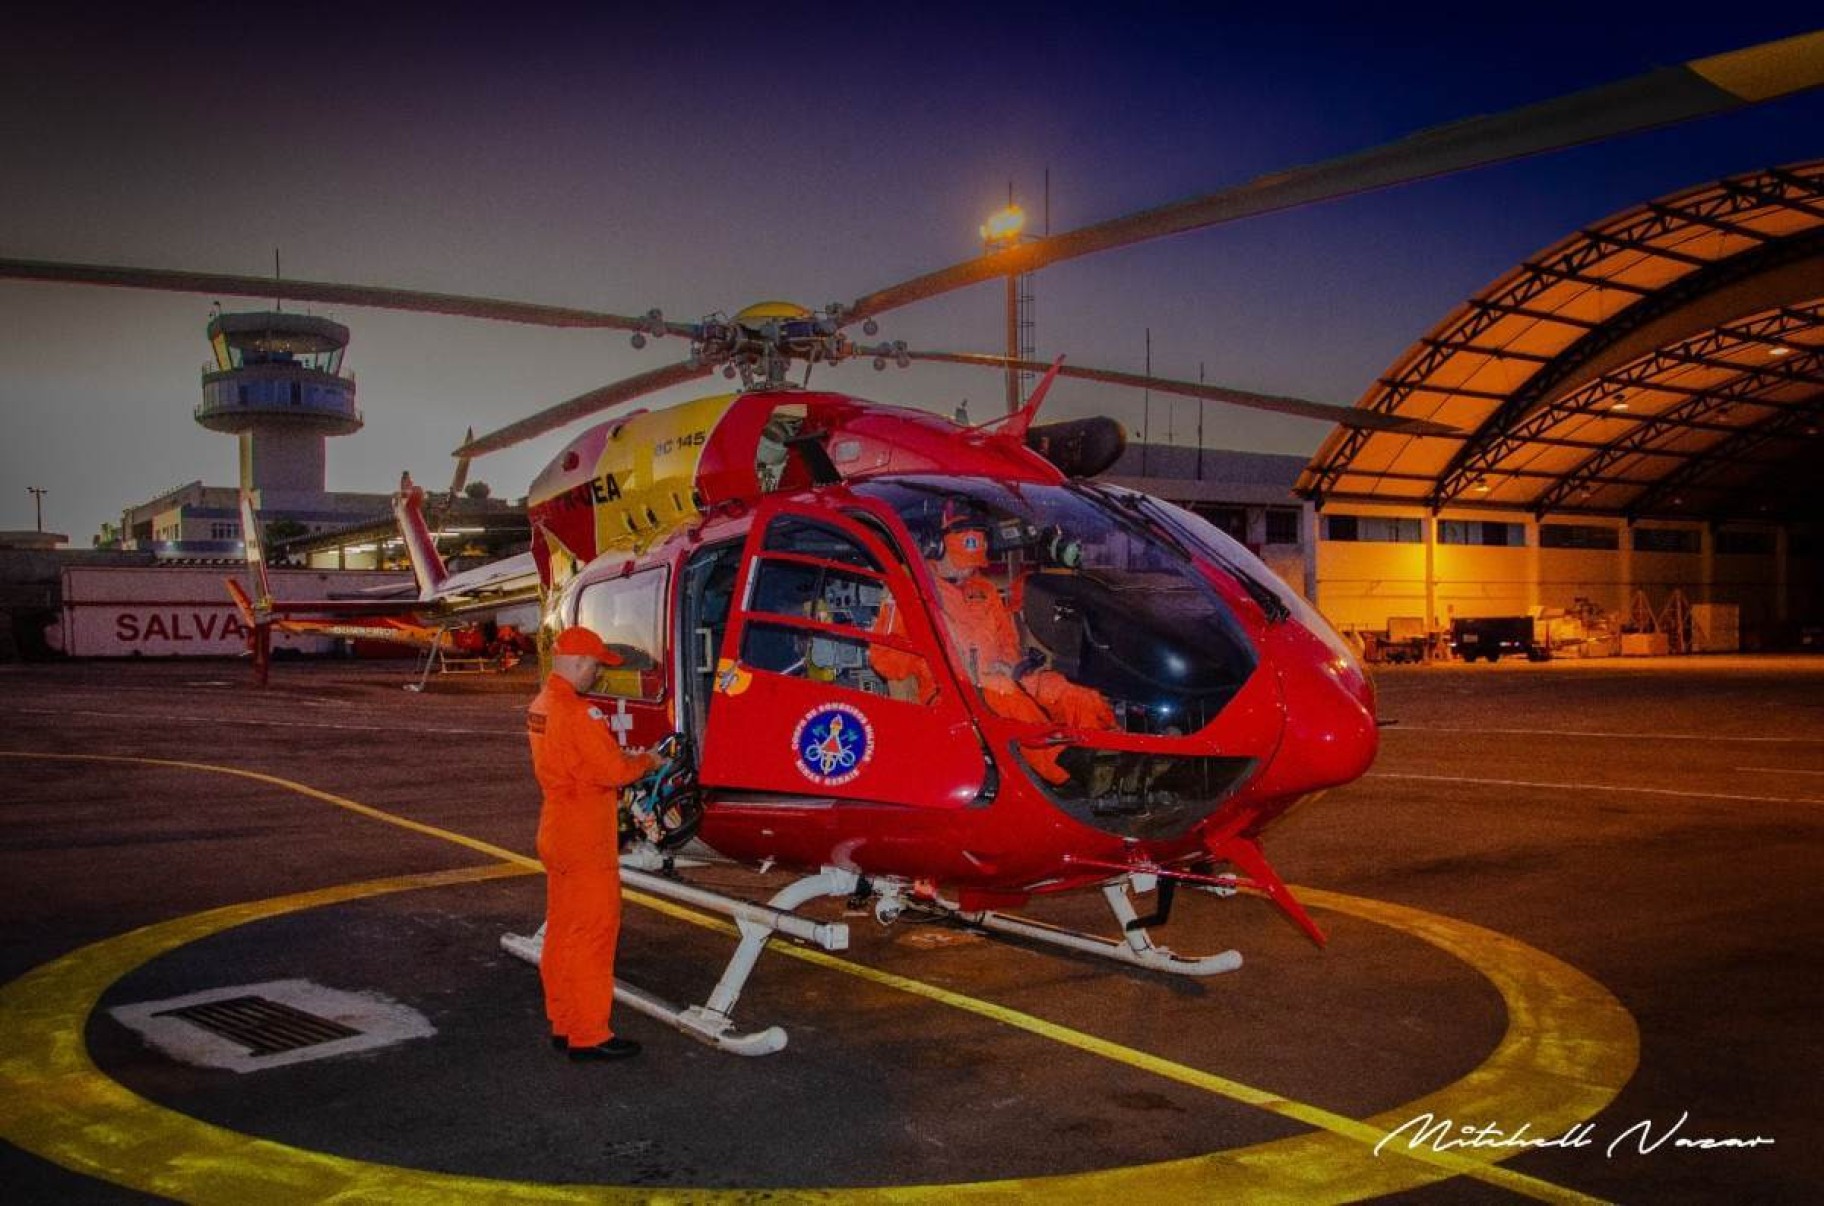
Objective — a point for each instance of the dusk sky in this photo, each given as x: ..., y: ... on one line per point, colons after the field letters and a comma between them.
x: 704, y: 160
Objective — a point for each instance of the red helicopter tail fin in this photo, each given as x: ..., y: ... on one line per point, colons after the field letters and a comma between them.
x: 420, y: 545
x: 259, y: 628
x: 242, y: 602
x: 253, y: 541
x: 1245, y: 854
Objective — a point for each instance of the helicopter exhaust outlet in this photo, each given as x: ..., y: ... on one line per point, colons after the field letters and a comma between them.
x: 1079, y: 447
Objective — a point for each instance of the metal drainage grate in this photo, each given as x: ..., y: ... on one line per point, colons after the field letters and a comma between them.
x: 263, y: 1027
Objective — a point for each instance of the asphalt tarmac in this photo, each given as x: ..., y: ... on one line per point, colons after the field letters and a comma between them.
x: 1574, y: 911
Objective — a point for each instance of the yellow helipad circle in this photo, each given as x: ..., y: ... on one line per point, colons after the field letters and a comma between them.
x: 1568, y: 1050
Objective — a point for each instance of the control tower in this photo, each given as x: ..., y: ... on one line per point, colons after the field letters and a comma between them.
x: 277, y: 382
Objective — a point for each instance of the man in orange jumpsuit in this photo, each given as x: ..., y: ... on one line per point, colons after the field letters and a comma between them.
x: 982, y: 632
x: 581, y: 770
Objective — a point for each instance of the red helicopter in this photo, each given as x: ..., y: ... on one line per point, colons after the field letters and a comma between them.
x: 769, y: 566
x: 480, y: 616
x: 938, y: 666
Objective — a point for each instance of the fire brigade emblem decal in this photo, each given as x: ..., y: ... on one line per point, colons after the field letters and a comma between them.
x: 833, y: 743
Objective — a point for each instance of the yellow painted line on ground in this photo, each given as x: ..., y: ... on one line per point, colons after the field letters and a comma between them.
x: 1568, y: 1050
x: 58, y: 1104
x: 448, y: 835
x: 273, y: 723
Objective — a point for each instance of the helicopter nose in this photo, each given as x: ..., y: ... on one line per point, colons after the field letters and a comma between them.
x: 1330, y: 733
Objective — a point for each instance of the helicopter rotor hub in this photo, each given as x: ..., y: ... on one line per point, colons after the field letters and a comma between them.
x: 762, y: 343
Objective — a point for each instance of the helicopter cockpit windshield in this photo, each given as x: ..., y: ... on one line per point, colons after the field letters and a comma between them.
x: 1053, y: 592
x: 1066, y: 609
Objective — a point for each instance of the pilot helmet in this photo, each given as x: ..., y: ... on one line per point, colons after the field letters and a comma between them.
x: 966, y: 547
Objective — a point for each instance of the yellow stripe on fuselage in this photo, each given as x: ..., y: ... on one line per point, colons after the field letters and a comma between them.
x: 648, y: 472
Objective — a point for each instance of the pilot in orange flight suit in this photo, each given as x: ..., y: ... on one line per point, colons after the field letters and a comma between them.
x: 982, y: 632
x: 581, y: 769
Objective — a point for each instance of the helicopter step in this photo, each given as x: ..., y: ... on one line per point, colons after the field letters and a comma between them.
x: 1135, y: 946
x: 710, y: 1022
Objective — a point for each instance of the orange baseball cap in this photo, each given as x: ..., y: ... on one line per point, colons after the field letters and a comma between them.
x: 577, y: 641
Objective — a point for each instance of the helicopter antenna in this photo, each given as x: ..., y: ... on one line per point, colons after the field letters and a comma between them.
x: 1020, y: 421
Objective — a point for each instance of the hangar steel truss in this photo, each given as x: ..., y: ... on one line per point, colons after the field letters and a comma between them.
x: 1667, y: 362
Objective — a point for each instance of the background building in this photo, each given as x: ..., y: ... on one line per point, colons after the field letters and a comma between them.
x: 1641, y: 409
x: 277, y: 382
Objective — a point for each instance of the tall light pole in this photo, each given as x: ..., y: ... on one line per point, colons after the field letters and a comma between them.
x: 38, y: 493
x: 1146, y: 404
x: 1200, y: 424
x: 1000, y: 232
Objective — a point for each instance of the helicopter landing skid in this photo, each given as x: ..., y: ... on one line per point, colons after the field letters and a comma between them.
x: 1135, y: 946
x: 710, y: 1022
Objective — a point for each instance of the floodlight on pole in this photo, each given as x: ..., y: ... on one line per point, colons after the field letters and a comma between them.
x: 1003, y: 227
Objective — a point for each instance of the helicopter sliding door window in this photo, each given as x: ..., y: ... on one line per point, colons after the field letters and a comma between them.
x: 792, y: 534
x: 827, y: 593
x: 629, y: 615
x: 801, y: 705
x: 706, y: 596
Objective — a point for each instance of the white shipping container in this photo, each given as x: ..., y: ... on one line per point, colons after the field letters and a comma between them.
x: 113, y: 611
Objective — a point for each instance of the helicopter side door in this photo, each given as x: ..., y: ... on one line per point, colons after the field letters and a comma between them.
x: 818, y: 692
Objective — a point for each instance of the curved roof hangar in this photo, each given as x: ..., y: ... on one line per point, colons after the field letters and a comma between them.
x: 1667, y: 362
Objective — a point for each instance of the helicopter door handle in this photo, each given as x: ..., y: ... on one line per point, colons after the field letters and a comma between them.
x: 706, y: 651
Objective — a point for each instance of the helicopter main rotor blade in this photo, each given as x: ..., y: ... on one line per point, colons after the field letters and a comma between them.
x: 1699, y: 88
x: 328, y: 293
x: 1304, y: 408
x: 583, y: 405
x: 461, y: 477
